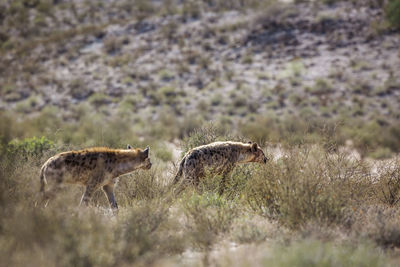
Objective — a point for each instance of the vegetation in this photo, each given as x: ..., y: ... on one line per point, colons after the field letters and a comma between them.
x: 304, y: 80
x: 392, y: 10
x: 306, y: 198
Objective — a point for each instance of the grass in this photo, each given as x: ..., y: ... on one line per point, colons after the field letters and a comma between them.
x: 306, y: 189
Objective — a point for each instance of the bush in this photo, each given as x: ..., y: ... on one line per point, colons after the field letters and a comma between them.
x: 47, y: 237
x: 207, y: 134
x: 378, y: 223
x: 142, y: 185
x: 253, y: 229
x: 316, y: 253
x: 30, y: 147
x: 99, y: 99
x: 307, y: 184
x: 207, y: 215
x: 392, y: 11
x: 387, y: 187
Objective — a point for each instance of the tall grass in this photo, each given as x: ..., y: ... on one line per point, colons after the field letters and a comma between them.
x: 308, y: 184
x: 309, y: 192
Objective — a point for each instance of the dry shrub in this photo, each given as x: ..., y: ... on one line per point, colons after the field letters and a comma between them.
x: 64, y: 235
x: 378, y: 223
x: 145, y: 234
x: 307, y: 184
x: 207, y: 216
x: 206, y: 134
x: 142, y: 185
x: 19, y: 177
x: 317, y: 253
x: 304, y: 253
x: 84, y: 237
x: 250, y: 228
x: 61, y: 234
x: 387, y: 187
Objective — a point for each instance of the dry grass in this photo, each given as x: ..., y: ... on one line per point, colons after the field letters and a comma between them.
x: 324, y: 207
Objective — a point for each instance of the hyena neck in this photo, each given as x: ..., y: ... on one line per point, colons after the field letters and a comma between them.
x: 126, y: 167
x: 243, y: 156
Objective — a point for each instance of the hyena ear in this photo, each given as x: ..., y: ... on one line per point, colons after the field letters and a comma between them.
x: 146, y: 151
x: 128, y: 146
x: 254, y: 147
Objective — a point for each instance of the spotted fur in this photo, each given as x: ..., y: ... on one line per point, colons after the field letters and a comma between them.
x: 93, y: 168
x: 219, y: 158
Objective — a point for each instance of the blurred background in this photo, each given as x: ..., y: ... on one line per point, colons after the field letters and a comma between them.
x: 87, y: 73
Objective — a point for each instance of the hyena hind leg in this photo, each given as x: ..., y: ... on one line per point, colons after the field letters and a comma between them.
x: 109, y: 191
x: 50, y: 193
x: 222, y: 185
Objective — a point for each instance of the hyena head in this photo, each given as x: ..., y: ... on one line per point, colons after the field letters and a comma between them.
x: 143, y: 157
x: 256, y: 154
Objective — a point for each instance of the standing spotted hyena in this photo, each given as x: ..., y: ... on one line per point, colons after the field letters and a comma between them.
x: 219, y: 158
x: 93, y: 168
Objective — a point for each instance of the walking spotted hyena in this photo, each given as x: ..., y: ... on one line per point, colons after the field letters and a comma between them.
x: 219, y: 158
x: 93, y: 168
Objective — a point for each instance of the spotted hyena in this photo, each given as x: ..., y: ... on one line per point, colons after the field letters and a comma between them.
x: 219, y: 158
x: 93, y: 168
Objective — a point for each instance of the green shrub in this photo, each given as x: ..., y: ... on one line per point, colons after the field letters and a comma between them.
x: 381, y: 153
x: 163, y: 153
x: 30, y: 147
x: 321, y: 87
x: 27, y: 105
x: 392, y: 11
x: 99, y: 99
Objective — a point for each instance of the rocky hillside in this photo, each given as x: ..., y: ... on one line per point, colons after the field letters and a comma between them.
x: 245, y: 65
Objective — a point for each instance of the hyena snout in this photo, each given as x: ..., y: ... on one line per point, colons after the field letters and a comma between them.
x: 147, y: 164
x: 262, y: 159
x: 266, y: 159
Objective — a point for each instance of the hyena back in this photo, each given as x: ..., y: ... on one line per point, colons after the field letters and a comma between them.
x: 93, y: 168
x: 219, y: 158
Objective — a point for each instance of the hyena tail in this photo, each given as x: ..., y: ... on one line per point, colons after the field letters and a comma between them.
x: 180, y: 171
x: 42, y: 180
x: 42, y: 196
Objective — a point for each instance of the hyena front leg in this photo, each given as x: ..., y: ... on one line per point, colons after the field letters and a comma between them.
x: 225, y: 175
x: 109, y: 191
